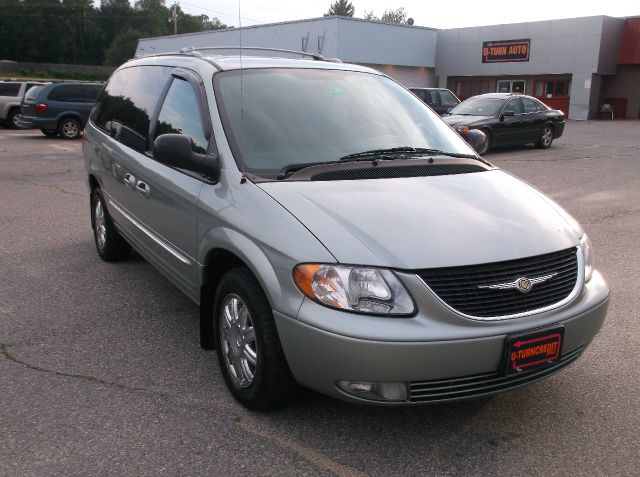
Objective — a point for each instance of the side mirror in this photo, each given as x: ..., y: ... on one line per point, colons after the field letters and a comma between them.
x: 476, y: 139
x: 176, y: 150
x: 505, y: 114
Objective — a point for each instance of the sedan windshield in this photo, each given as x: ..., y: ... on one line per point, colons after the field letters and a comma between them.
x: 298, y: 116
x: 478, y: 107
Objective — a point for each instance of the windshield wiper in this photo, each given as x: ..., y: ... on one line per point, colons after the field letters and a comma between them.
x: 374, y: 155
x: 289, y: 169
x: 400, y: 152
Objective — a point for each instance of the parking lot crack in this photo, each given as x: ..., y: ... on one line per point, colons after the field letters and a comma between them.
x: 616, y: 215
x: 55, y: 186
x: 6, y: 354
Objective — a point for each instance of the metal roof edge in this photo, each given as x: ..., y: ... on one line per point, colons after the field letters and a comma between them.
x: 288, y: 22
x: 531, y: 21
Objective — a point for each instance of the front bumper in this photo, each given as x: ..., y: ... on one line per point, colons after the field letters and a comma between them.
x: 558, y: 129
x: 319, y: 358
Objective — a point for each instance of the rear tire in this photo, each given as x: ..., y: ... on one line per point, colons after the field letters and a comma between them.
x: 12, y: 119
x: 546, y: 138
x: 109, y: 243
x: 247, y: 344
x: 49, y: 132
x: 69, y: 128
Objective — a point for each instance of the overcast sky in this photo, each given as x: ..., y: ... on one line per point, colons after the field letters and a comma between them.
x: 437, y: 14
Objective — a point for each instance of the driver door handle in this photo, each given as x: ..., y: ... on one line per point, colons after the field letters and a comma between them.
x: 129, y: 180
x: 143, y: 189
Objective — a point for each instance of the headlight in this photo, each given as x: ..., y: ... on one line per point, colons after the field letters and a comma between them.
x: 461, y: 129
x: 359, y: 289
x: 587, y: 256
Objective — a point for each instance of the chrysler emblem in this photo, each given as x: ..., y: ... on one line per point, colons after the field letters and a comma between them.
x: 522, y: 284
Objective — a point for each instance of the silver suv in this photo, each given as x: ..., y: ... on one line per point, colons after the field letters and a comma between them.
x: 336, y: 233
x: 11, y: 94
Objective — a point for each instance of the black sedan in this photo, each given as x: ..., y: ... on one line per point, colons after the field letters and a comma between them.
x: 508, y: 119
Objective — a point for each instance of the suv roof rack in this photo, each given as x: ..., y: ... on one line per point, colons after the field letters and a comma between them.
x: 196, y: 51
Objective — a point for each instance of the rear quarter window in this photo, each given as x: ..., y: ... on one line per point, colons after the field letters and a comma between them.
x: 9, y: 89
x: 33, y: 92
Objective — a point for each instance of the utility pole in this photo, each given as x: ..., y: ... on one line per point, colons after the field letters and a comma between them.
x: 174, y: 17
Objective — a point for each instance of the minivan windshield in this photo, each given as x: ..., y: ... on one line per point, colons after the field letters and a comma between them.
x: 478, y: 107
x: 298, y: 116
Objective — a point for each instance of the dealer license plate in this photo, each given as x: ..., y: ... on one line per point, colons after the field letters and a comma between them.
x: 526, y: 352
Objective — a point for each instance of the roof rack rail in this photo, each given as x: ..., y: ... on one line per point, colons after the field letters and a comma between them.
x: 195, y: 51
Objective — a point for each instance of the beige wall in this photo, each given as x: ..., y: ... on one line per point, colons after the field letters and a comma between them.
x: 626, y: 84
x: 409, y: 76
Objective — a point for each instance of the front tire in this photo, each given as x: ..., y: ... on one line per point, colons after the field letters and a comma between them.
x: 546, y: 138
x: 247, y: 344
x: 109, y: 243
x: 69, y: 128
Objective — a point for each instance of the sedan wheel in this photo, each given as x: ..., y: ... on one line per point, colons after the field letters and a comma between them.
x: 546, y: 138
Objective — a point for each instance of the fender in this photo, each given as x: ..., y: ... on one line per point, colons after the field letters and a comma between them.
x: 246, y: 250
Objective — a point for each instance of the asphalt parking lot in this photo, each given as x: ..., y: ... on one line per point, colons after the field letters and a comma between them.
x: 101, y: 370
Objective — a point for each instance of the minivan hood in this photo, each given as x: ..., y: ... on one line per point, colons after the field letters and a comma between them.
x: 457, y: 119
x: 428, y: 222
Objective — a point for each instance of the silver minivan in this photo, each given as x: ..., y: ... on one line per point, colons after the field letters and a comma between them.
x: 336, y: 233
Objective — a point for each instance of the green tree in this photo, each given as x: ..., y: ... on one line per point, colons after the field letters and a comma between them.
x: 342, y: 8
x: 399, y: 15
x: 122, y: 48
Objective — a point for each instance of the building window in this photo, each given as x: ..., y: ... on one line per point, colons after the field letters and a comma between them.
x: 552, y: 88
x: 466, y: 88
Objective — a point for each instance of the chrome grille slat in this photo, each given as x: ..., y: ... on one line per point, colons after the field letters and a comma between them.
x: 459, y: 288
x: 467, y: 386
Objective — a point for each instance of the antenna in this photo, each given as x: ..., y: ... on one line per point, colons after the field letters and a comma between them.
x: 243, y: 179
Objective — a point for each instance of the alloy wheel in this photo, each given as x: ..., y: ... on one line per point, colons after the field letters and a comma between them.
x: 238, y: 339
x: 70, y: 128
x: 100, y: 224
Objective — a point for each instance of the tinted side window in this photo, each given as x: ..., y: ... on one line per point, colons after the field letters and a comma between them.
x: 33, y: 93
x: 9, y: 89
x: 71, y: 93
x: 125, y: 107
x: 432, y: 98
x: 530, y: 106
x: 513, y: 105
x: 107, y: 101
x: 91, y: 91
x: 179, y: 115
x: 448, y: 99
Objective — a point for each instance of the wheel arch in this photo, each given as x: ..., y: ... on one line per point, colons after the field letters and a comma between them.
x: 72, y: 115
x: 235, y: 250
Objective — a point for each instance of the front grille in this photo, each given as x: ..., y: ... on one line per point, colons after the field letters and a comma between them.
x: 390, y: 172
x: 479, y: 384
x: 459, y: 288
